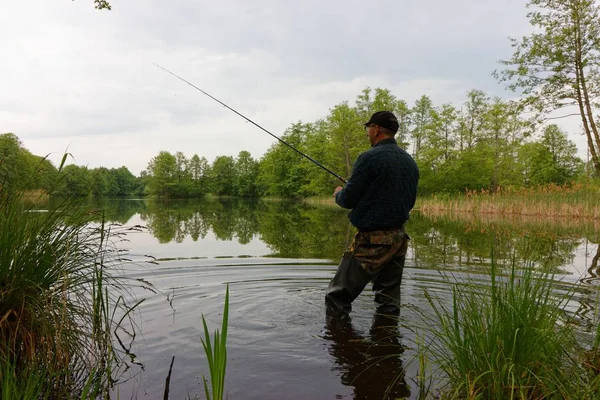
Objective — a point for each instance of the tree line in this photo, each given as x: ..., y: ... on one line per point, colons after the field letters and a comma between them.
x: 483, y: 143
x: 21, y: 170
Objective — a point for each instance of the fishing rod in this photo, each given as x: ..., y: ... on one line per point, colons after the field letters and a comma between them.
x: 254, y: 123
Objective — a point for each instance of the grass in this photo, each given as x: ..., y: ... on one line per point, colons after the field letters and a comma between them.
x: 61, y: 300
x: 573, y: 201
x: 216, y: 355
x: 512, y: 339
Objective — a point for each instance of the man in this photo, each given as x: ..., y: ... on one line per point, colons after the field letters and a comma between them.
x: 381, y: 192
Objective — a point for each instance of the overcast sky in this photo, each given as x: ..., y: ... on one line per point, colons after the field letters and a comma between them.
x: 78, y: 79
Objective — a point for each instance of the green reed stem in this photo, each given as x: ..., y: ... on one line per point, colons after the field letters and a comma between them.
x: 216, y: 354
x: 508, y: 340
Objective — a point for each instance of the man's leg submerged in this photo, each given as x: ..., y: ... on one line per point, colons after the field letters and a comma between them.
x: 349, y: 281
x: 386, y: 286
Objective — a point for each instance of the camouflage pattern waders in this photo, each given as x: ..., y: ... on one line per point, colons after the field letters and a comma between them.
x: 376, y: 256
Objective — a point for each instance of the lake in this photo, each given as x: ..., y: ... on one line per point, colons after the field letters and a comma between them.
x: 278, y: 258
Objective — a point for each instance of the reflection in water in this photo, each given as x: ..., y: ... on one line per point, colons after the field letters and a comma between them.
x: 372, y: 366
x: 277, y: 303
x: 298, y: 230
x: 289, y: 229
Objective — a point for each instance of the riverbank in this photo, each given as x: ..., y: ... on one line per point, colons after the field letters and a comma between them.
x: 575, y: 201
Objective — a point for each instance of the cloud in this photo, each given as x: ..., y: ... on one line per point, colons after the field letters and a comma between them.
x: 83, y: 78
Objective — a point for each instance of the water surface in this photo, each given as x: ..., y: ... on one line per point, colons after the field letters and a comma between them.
x: 278, y: 258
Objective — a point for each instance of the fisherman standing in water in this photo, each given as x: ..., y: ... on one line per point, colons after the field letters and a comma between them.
x: 380, y: 193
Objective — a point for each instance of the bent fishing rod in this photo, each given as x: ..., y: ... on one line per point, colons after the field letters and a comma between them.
x: 253, y: 123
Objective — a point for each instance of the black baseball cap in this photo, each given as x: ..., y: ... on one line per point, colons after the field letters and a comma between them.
x: 385, y: 119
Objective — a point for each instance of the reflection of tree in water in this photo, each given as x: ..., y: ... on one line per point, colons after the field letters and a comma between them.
x: 297, y: 230
x: 372, y: 365
x: 468, y: 242
x: 304, y: 231
x: 111, y: 210
x: 289, y: 229
x: 177, y: 219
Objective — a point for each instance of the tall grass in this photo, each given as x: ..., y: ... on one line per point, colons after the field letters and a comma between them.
x: 509, y: 340
x: 574, y: 201
x: 60, y: 298
x: 216, y: 355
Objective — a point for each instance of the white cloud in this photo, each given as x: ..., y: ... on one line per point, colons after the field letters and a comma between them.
x: 75, y: 76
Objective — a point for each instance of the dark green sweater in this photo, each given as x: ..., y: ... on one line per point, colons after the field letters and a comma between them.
x: 382, y: 189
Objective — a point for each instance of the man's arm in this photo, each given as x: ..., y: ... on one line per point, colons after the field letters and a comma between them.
x: 356, y: 186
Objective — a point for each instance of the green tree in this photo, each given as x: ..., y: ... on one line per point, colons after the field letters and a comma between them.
x: 199, y: 171
x: 435, y: 154
x: 75, y: 181
x: 16, y: 164
x: 422, y: 119
x: 558, y: 65
x: 102, y: 4
x: 503, y: 131
x: 285, y: 173
x: 162, y: 173
x: 45, y: 173
x: 246, y: 173
x: 552, y: 159
x: 223, y: 177
x: 473, y: 118
x: 123, y: 182
x: 101, y: 181
x: 345, y: 136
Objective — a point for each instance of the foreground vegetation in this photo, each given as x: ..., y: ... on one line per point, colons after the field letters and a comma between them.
x: 511, y: 339
x: 61, y: 301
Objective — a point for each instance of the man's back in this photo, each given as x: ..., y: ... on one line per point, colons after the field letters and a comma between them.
x: 382, y: 189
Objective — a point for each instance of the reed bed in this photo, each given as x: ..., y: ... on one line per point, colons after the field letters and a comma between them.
x: 512, y: 339
x: 62, y: 298
x: 579, y: 201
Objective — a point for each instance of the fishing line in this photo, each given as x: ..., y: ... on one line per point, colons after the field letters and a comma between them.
x: 254, y: 123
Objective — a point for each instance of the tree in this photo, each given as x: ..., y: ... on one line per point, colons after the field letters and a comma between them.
x: 246, y: 173
x: 102, y: 4
x: 162, y: 173
x: 45, y: 173
x: 16, y: 164
x: 552, y: 159
x: 558, y: 66
x: 123, y: 182
x: 101, y: 181
x: 345, y: 136
x: 422, y: 119
x: 75, y: 181
x: 285, y: 173
x: 182, y: 167
x: 223, y: 176
x: 198, y: 170
x: 503, y: 131
x: 472, y: 118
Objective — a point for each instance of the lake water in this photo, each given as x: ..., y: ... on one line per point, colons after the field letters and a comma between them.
x: 278, y: 258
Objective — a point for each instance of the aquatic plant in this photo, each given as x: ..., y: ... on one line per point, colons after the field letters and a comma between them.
x: 576, y: 200
x: 61, y: 299
x: 509, y: 340
x: 216, y: 354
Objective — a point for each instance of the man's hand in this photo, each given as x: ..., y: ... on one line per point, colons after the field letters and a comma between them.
x: 337, y: 190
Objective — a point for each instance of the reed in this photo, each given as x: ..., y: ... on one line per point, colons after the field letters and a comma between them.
x: 61, y: 299
x: 573, y: 201
x: 216, y: 355
x: 509, y: 340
